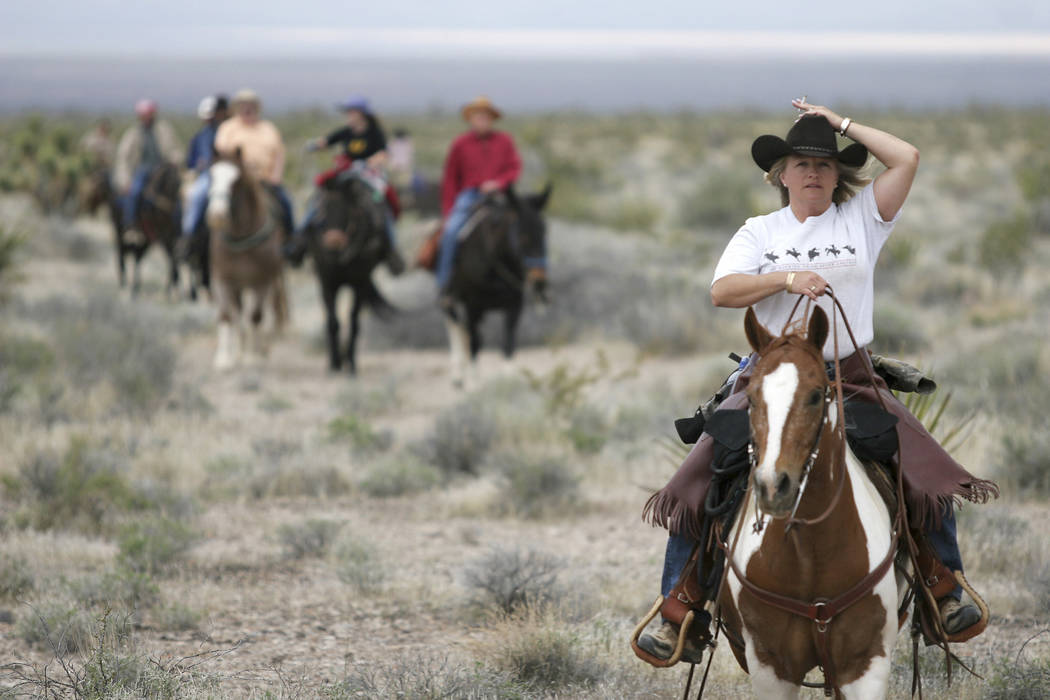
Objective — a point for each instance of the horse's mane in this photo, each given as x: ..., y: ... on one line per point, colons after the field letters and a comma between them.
x: 794, y: 340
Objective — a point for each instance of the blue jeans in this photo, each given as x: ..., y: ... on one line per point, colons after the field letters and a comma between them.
x: 457, y: 217
x: 944, y: 543
x: 196, y: 204
x: 131, y: 199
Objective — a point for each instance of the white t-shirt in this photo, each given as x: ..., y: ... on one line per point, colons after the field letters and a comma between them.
x: 841, y: 245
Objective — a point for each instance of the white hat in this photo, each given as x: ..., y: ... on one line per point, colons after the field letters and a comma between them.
x: 206, y: 109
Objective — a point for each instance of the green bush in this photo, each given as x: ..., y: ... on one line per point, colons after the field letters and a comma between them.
x: 58, y: 627
x: 1025, y: 462
x: 460, y: 440
x: 357, y: 431
x: 587, y: 429
x: 535, y: 487
x: 512, y: 580
x: 357, y: 563
x: 1019, y: 679
x: 426, y: 678
x: 399, y: 476
x: 722, y: 201
x: 105, y: 340
x: 15, y: 577
x: 84, y: 488
x: 308, y: 538
x: 119, y: 588
x: 631, y: 215
x: 550, y: 659
x: 153, y: 546
x: 1005, y: 244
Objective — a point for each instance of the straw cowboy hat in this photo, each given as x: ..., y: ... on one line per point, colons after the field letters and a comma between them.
x: 482, y: 103
x: 245, y: 96
x: 811, y: 135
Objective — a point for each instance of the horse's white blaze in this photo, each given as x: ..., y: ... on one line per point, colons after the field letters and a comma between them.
x: 778, y: 392
x: 223, y: 175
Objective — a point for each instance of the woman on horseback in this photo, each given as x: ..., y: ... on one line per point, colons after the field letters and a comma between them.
x: 362, y: 152
x: 828, y: 234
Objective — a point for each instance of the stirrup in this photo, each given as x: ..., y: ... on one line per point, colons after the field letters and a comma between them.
x: 683, y: 631
x: 976, y: 628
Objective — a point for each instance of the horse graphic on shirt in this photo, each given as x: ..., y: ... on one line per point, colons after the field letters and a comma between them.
x: 851, y: 249
x: 813, y: 253
x: 793, y: 253
x: 772, y: 257
x: 832, y: 250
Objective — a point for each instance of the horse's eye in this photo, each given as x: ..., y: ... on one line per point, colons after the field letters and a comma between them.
x: 814, y: 398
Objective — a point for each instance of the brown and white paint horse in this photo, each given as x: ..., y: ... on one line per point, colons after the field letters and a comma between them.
x: 849, y: 537
x: 246, y: 240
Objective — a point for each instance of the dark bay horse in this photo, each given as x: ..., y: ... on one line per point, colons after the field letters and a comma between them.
x: 347, y: 241
x: 811, y: 580
x: 246, y: 239
x: 156, y: 221
x: 490, y: 272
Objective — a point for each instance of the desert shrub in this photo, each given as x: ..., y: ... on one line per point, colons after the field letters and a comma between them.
x: 120, y: 587
x: 899, y: 252
x: 57, y: 626
x: 103, y: 339
x: 563, y: 387
x: 549, y: 659
x: 633, y: 214
x: 722, y: 201
x: 361, y: 400
x: 119, y: 674
x: 460, y: 440
x: 896, y: 330
x: 512, y: 580
x: 274, y: 475
x: 21, y: 360
x: 15, y: 577
x: 307, y: 538
x: 398, y: 476
x: 423, y: 678
x: 587, y: 430
x: 357, y: 563
x: 153, y: 546
x: 83, y: 488
x: 10, y: 244
x: 1005, y: 244
x: 359, y: 433
x: 1025, y: 461
x: 1019, y: 679
x: 275, y: 404
x: 534, y: 487
x: 176, y: 617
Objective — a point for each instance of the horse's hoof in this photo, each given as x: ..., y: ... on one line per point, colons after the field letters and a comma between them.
x: 223, y: 364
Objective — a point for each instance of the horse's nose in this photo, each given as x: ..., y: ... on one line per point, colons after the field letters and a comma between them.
x: 783, y: 485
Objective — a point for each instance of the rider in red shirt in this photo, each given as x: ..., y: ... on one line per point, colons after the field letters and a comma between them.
x: 479, y: 162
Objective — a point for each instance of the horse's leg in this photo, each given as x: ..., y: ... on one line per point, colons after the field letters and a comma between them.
x: 173, y: 268
x: 764, y: 680
x: 225, y: 352
x: 122, y: 273
x: 458, y: 347
x: 329, y: 295
x: 136, y: 273
x: 256, y: 340
x: 510, y: 330
x: 355, y: 328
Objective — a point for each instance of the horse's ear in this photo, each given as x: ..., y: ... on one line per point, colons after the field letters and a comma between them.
x: 539, y: 200
x: 757, y: 335
x: 818, y: 328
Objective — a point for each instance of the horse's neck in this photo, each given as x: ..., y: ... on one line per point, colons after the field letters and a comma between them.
x: 250, y: 206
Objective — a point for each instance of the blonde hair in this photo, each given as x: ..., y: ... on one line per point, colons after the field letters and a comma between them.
x: 851, y: 180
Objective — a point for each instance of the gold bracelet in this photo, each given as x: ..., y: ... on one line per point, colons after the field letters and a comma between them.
x: 790, y: 279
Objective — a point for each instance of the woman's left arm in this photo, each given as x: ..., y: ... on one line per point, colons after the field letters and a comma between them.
x: 900, y: 158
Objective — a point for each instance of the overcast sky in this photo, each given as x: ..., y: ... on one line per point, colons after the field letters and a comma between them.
x: 610, y: 28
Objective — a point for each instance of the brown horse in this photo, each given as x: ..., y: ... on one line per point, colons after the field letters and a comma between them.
x: 156, y: 221
x: 246, y: 238
x: 811, y: 580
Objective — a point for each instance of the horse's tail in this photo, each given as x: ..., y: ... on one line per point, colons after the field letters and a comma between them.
x: 371, y: 297
x: 281, y: 312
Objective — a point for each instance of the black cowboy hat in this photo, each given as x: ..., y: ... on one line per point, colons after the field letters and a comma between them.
x: 811, y: 135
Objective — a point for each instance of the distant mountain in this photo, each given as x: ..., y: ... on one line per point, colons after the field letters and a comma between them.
x: 409, y: 85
